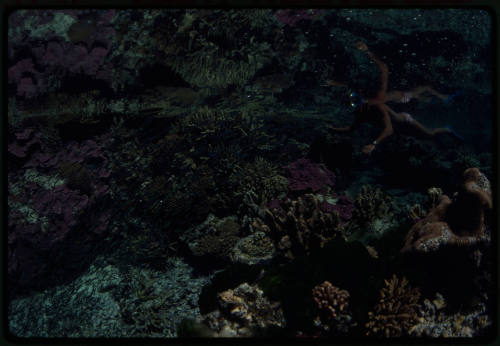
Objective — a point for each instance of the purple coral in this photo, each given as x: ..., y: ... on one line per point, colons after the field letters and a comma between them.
x: 24, y: 141
x: 50, y: 222
x: 343, y: 207
x: 58, y: 58
x: 305, y: 176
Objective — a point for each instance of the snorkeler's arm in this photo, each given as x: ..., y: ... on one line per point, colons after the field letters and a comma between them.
x: 353, y: 126
x: 331, y: 82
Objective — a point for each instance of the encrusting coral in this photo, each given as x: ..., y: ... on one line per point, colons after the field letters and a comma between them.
x: 218, y: 239
x: 396, y: 311
x: 299, y: 226
x: 458, y: 222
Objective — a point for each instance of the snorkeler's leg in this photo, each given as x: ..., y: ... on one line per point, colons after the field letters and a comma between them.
x: 384, y: 75
x: 417, y: 92
x: 428, y: 132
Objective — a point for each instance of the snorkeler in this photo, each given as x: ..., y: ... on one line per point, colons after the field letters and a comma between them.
x: 380, y: 100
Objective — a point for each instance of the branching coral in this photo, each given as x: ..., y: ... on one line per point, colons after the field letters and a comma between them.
x: 300, y: 226
x: 371, y: 204
x: 396, y: 311
x: 333, y: 305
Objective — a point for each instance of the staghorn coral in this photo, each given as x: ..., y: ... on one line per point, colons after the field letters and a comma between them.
x: 299, y: 227
x: 396, y: 311
x: 243, y: 311
x: 333, y: 306
x: 460, y: 222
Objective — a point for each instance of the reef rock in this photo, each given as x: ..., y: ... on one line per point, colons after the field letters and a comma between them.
x: 455, y: 222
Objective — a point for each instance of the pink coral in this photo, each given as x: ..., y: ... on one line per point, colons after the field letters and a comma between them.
x: 306, y: 176
x: 343, y: 207
x: 58, y: 58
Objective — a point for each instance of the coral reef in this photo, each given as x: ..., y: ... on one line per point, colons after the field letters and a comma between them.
x: 293, y: 17
x: 195, y: 51
x: 343, y: 205
x: 77, y: 43
x: 306, y: 176
x: 299, y: 227
x: 416, y: 213
x: 23, y: 143
x: 333, y: 305
x: 372, y: 214
x: 371, y: 204
x: 396, y: 311
x: 436, y: 323
x: 257, y: 248
x: 55, y: 192
x: 261, y: 176
x: 215, y: 237
x: 434, y: 193
x: 457, y: 222
x: 243, y: 312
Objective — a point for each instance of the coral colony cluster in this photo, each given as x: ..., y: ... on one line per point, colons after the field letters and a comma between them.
x: 170, y: 175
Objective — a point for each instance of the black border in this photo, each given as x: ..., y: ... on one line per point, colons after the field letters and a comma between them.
x: 491, y: 6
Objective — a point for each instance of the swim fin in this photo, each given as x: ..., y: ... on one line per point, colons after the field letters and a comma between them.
x: 452, y: 96
x: 454, y: 133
